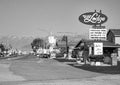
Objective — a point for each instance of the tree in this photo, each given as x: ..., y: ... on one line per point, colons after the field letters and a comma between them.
x: 2, y: 47
x: 37, y: 43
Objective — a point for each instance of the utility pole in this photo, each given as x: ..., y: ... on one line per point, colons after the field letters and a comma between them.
x: 65, y: 38
x: 67, y: 47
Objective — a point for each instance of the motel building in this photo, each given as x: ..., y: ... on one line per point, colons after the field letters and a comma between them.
x: 100, y: 52
x: 103, y: 46
x: 113, y: 36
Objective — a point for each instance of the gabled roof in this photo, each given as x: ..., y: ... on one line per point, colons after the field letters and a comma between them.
x: 116, y: 32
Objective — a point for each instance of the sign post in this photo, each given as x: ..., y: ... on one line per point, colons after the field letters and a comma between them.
x: 98, y: 32
x: 52, y: 43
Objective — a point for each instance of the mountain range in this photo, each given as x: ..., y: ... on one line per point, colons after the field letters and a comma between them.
x: 24, y: 43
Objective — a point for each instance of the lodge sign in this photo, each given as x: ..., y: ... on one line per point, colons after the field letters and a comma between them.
x: 93, y: 18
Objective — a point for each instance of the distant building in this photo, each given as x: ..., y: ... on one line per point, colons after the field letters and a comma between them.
x: 113, y: 35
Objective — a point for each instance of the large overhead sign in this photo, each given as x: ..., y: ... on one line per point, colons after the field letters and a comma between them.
x: 98, y: 48
x: 93, y: 18
x: 97, y: 34
x: 51, y: 40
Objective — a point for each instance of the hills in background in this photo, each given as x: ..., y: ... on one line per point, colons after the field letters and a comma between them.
x: 24, y: 43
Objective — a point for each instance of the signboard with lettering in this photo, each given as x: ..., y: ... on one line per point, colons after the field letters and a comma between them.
x: 97, y: 34
x: 93, y: 18
x: 98, y: 48
x: 51, y: 40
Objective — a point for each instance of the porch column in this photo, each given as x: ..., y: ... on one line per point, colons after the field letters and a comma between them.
x: 118, y: 52
x: 90, y: 50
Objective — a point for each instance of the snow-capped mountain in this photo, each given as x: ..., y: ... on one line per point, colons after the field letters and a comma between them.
x: 22, y: 43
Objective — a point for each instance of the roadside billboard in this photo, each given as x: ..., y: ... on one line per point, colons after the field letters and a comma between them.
x: 93, y: 18
x: 51, y: 40
x: 97, y: 34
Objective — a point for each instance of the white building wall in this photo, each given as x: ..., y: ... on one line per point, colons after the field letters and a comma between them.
x: 117, y: 40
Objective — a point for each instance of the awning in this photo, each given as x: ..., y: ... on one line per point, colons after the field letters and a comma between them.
x: 90, y: 43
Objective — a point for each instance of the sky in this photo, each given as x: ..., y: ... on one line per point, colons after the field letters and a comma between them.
x: 41, y: 17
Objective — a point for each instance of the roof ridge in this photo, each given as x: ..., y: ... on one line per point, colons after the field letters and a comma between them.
x: 115, y: 31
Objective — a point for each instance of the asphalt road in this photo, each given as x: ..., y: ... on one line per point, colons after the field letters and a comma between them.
x: 31, y: 69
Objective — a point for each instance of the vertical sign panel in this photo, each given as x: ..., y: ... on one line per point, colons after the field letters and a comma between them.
x: 98, y: 48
